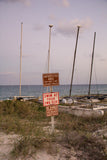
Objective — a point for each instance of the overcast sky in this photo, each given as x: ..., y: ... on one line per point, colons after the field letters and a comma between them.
x: 65, y: 15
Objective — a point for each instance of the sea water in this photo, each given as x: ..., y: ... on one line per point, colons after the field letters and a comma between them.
x: 9, y: 91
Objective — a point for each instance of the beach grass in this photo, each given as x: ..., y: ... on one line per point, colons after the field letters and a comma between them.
x: 28, y: 120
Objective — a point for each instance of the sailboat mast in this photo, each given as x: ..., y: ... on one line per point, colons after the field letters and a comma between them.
x: 92, y: 64
x: 20, y: 59
x: 78, y: 27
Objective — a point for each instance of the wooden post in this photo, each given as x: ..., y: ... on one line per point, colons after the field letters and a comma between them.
x: 52, y: 117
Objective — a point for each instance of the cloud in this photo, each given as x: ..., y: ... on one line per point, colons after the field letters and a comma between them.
x: 69, y: 27
x: 7, y: 73
x: 65, y: 3
x: 52, y: 17
x: 25, y: 2
x: 39, y: 27
x: 103, y: 59
x: 26, y: 56
x: 62, y: 3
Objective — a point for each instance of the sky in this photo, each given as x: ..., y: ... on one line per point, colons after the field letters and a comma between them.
x: 65, y: 16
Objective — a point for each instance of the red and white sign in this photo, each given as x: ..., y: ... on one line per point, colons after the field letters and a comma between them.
x: 50, y: 98
x: 52, y: 111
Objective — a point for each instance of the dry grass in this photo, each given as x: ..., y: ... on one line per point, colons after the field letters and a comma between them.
x: 28, y: 119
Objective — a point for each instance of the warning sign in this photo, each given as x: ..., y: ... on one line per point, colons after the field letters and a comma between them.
x: 50, y: 98
x: 50, y: 79
x: 52, y: 111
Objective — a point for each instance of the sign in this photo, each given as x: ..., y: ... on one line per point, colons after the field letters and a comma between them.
x: 50, y: 79
x: 50, y: 98
x: 52, y: 111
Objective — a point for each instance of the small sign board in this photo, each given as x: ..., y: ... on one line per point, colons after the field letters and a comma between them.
x: 50, y: 98
x: 50, y: 79
x: 52, y: 111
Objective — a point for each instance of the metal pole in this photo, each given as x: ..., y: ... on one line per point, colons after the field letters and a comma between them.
x: 50, y: 26
x: 52, y: 117
x: 20, y: 58
x: 78, y: 27
x: 92, y: 64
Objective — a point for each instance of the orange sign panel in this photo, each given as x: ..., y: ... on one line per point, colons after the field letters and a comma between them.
x: 50, y: 98
x: 50, y: 79
x: 51, y: 111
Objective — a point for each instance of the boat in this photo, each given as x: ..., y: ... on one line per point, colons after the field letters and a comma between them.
x: 69, y: 99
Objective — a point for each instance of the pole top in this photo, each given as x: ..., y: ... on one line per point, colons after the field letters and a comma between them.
x: 51, y: 25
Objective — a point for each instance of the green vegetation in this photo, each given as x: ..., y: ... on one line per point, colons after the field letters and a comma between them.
x: 21, y: 117
x: 28, y: 120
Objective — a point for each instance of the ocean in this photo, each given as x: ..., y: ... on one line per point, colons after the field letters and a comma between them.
x: 9, y: 91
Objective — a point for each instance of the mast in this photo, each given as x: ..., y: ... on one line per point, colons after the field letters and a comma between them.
x: 50, y: 26
x: 78, y: 27
x: 20, y: 59
x: 92, y: 64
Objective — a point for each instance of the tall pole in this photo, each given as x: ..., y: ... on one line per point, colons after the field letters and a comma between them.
x: 52, y: 117
x: 92, y: 64
x: 50, y: 26
x: 78, y: 27
x: 21, y: 59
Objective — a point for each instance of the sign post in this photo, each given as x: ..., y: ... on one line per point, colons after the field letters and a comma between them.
x: 50, y: 79
x: 51, y: 99
x: 52, y: 117
x: 52, y: 110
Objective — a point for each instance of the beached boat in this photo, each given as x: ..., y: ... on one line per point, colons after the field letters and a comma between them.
x: 69, y: 100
